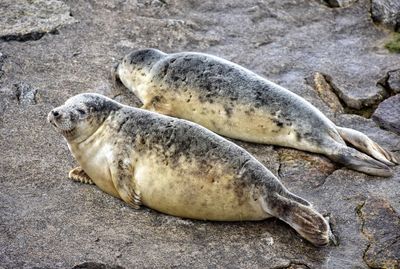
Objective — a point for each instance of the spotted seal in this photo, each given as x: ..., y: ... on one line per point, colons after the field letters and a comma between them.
x: 176, y: 167
x: 235, y: 102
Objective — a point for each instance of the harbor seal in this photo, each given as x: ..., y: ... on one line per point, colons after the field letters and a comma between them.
x: 176, y: 167
x: 235, y: 102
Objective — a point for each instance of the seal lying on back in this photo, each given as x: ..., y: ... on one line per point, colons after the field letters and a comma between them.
x: 176, y: 167
x: 235, y: 102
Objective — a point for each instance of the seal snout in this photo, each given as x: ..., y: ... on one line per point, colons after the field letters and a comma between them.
x: 53, y: 116
x: 55, y: 113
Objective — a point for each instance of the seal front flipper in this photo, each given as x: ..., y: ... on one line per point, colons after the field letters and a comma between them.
x: 123, y: 180
x: 366, y: 145
x: 304, y: 219
x: 77, y: 174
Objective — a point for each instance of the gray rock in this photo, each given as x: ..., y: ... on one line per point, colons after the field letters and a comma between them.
x: 30, y: 20
x: 2, y: 59
x: 387, y: 115
x: 25, y: 94
x: 381, y: 226
x: 386, y: 12
x: 96, y: 265
x: 323, y: 86
x: 393, y: 81
x: 339, y: 3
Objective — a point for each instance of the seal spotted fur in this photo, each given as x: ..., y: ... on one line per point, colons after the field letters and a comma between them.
x: 176, y: 167
x: 235, y: 102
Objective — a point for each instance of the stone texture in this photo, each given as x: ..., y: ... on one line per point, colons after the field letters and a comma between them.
x: 386, y: 12
x: 25, y: 94
x: 96, y: 265
x: 322, y: 85
x: 24, y: 20
x: 393, y: 81
x: 381, y: 225
x: 2, y: 59
x: 387, y: 115
x: 47, y: 221
x: 339, y: 3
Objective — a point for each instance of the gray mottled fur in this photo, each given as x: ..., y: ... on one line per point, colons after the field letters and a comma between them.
x: 132, y: 133
x: 216, y: 80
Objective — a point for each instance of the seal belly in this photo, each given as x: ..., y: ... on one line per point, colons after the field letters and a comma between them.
x: 93, y: 156
x: 183, y: 190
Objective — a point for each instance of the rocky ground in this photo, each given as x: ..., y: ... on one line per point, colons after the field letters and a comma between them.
x: 330, y: 52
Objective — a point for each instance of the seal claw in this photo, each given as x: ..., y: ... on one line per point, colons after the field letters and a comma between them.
x: 79, y: 175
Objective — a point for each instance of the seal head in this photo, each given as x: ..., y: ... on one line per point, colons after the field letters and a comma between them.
x: 81, y: 116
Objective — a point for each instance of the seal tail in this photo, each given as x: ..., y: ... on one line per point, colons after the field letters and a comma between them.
x: 310, y: 224
x: 366, y: 145
x: 359, y: 161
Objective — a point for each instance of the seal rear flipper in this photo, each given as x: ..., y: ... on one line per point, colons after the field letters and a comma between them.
x: 359, y: 161
x: 298, y: 199
x: 366, y: 145
x: 304, y: 219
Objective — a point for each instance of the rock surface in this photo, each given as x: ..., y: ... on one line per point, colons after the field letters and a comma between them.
x: 323, y: 86
x: 393, y: 81
x: 338, y: 3
x: 381, y: 225
x: 24, y: 20
x: 387, y: 115
x: 25, y: 94
x: 48, y: 221
x: 386, y: 12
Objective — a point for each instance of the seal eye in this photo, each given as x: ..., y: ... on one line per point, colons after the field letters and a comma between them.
x: 81, y: 112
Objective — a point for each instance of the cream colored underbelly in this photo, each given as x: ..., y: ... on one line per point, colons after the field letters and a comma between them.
x: 186, y: 192
x: 94, y: 161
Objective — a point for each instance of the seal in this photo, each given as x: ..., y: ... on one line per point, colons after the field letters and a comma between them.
x: 235, y: 102
x: 176, y: 167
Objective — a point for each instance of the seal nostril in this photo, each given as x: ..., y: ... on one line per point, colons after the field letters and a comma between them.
x: 55, y: 113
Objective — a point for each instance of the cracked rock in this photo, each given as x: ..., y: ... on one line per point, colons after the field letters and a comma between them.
x: 25, y: 93
x: 295, y: 165
x: 387, y: 115
x: 381, y: 226
x: 339, y: 3
x: 96, y: 265
x: 30, y: 20
x: 325, y: 90
x: 386, y: 12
